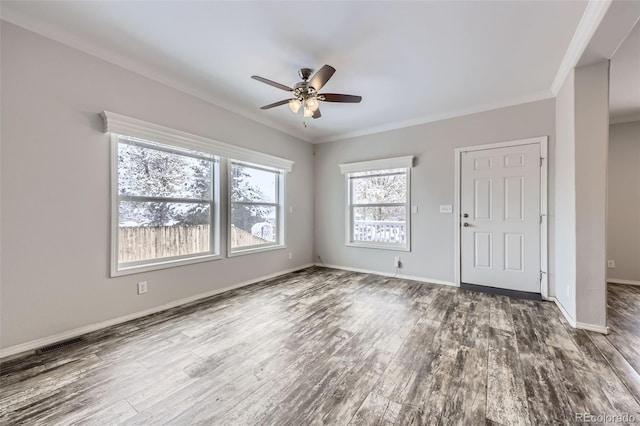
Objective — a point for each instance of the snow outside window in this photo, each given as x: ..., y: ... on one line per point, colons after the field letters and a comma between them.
x: 255, y: 211
x: 378, y: 203
x: 165, y: 205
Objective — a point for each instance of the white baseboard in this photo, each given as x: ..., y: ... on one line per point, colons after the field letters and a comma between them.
x: 575, y: 324
x: 592, y: 327
x: 617, y: 281
x: 389, y: 274
x: 38, y: 343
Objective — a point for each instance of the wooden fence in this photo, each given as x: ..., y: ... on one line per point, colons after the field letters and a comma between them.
x: 137, y: 243
x: 242, y: 238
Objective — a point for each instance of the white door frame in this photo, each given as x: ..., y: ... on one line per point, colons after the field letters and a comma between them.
x: 544, y: 170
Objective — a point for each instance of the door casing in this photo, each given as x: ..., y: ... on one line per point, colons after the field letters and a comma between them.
x: 544, y: 240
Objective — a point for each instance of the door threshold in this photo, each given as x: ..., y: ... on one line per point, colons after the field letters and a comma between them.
x: 501, y: 291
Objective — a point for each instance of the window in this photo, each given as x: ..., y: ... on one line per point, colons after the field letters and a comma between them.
x: 378, y: 203
x: 165, y: 192
x: 255, y: 218
x: 165, y: 209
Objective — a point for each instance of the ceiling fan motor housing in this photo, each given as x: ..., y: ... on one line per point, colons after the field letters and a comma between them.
x: 305, y: 73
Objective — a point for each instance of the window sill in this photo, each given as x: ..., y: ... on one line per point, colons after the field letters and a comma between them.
x: 129, y: 270
x: 256, y: 250
x: 389, y: 247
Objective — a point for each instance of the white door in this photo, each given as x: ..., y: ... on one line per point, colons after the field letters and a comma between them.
x: 500, y: 223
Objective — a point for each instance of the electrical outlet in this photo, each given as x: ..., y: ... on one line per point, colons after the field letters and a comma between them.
x: 446, y: 208
x: 396, y: 262
x: 611, y: 264
x: 142, y: 287
x: 290, y: 255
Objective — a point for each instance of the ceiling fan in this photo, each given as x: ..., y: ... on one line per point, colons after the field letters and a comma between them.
x: 305, y: 93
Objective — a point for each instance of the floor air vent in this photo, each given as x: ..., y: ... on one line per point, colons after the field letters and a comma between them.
x: 59, y: 345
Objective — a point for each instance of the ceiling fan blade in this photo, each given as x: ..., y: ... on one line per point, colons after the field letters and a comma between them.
x: 338, y: 97
x: 317, y: 114
x: 275, y: 104
x: 272, y: 83
x: 321, y: 77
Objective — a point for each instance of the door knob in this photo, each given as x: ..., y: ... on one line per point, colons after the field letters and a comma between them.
x: 465, y: 215
x: 466, y: 225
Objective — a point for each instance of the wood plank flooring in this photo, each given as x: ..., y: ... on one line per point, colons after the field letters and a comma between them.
x: 322, y: 346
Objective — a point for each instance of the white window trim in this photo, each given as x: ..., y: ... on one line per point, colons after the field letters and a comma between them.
x: 280, y: 207
x: 384, y: 163
x: 372, y: 165
x: 154, y: 264
x: 128, y: 126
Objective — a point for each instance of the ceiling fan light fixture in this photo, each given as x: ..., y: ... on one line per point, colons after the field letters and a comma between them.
x: 304, y: 94
x: 294, y: 105
x: 307, y: 112
x: 312, y: 103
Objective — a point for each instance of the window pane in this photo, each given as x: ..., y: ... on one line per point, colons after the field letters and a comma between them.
x: 253, y: 225
x: 155, y: 230
x: 148, y: 172
x: 380, y: 224
x: 252, y: 185
x: 380, y: 189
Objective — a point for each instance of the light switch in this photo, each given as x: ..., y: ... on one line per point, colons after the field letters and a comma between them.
x: 446, y: 208
x: 414, y: 209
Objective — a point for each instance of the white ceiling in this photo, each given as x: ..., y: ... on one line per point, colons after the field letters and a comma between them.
x: 624, y: 91
x: 412, y: 62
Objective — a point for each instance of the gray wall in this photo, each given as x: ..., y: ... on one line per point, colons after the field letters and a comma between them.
x: 582, y: 121
x: 592, y: 140
x: 565, y: 198
x: 432, y: 184
x: 623, y: 215
x: 55, y: 190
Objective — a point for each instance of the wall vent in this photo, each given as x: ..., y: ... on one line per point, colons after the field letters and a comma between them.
x: 59, y: 345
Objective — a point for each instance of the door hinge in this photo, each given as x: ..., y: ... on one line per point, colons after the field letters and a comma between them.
x: 541, y: 274
x: 541, y: 158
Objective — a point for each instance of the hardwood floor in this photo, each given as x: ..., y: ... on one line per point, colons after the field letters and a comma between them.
x: 323, y: 346
x: 624, y: 321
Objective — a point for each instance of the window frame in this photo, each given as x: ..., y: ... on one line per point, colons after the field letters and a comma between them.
x: 382, y: 165
x: 127, y: 268
x: 279, y: 205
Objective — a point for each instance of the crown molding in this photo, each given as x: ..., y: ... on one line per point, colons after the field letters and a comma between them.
x: 538, y: 96
x: 591, y: 18
x: 65, y: 37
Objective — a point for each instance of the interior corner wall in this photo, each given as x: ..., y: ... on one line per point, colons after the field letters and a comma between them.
x: 432, y: 184
x: 623, y: 211
x: 565, y: 198
x: 55, y: 192
x: 592, y: 140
